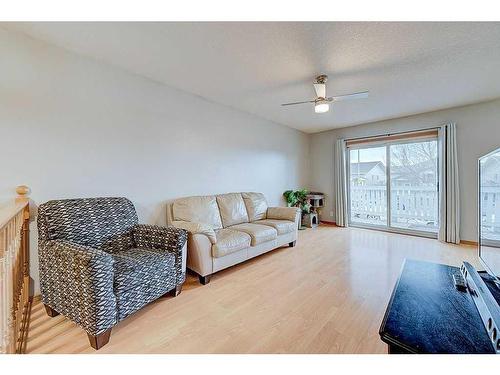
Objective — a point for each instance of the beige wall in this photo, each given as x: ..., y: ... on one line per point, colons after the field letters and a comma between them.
x: 73, y: 127
x: 478, y: 132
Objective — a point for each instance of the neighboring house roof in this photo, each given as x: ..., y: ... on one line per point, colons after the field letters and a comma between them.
x: 363, y: 168
x: 405, y: 174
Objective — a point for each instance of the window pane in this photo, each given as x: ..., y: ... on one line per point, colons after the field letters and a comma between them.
x: 367, y: 186
x: 414, y: 186
x: 489, y: 202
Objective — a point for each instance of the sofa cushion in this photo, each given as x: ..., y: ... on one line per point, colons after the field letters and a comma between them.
x: 232, y: 209
x: 282, y: 226
x: 229, y: 241
x: 256, y: 205
x: 141, y: 276
x: 202, y: 210
x: 258, y: 233
x: 195, y: 228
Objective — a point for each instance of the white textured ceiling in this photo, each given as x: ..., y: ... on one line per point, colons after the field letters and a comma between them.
x: 408, y: 67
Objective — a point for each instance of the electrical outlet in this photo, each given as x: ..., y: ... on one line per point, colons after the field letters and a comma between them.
x: 331, y: 213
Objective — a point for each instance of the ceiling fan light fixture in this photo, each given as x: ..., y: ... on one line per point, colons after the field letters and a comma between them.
x: 321, y: 106
x: 322, y: 101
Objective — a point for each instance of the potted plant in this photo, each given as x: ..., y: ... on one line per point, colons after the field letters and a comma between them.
x: 298, y: 198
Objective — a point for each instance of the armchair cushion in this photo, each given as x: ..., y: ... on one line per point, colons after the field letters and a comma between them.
x: 141, y: 276
x: 283, y: 213
x: 101, y: 223
x: 195, y: 228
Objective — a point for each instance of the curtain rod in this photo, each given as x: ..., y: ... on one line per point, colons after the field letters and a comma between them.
x: 391, y: 134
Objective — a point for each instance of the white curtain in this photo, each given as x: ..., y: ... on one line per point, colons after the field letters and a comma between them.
x: 340, y: 184
x: 449, y: 198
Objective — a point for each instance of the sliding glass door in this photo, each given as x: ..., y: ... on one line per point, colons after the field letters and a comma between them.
x: 414, y: 186
x: 394, y: 185
x: 368, y: 186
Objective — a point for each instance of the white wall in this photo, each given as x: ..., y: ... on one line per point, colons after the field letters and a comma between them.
x: 478, y: 132
x: 72, y: 127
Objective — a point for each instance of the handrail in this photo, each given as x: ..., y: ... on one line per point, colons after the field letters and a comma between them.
x: 16, y: 285
x: 10, y: 210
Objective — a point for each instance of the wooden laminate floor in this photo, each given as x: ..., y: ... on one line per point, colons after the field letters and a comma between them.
x: 326, y: 295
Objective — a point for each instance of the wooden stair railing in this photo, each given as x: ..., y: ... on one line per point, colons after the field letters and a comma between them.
x: 16, y: 285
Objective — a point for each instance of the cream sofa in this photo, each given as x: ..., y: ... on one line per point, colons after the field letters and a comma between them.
x: 228, y: 229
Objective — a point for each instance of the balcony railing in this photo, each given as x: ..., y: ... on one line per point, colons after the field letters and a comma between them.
x: 490, y: 212
x: 411, y: 207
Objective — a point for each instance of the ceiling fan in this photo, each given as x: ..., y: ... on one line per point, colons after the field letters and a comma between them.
x: 322, y: 103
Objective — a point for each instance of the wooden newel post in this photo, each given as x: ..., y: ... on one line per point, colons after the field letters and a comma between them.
x: 23, y: 193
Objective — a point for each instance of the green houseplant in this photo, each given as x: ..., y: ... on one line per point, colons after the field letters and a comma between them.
x: 298, y: 198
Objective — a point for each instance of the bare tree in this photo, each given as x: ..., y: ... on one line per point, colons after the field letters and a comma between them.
x: 414, y: 160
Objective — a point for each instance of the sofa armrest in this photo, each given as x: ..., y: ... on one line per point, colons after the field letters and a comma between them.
x: 283, y: 213
x: 77, y: 281
x: 196, y: 228
x: 199, y: 257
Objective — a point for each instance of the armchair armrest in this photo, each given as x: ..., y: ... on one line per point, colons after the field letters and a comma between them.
x: 283, y: 213
x: 77, y: 281
x: 195, y: 228
x: 168, y: 238
x: 159, y: 238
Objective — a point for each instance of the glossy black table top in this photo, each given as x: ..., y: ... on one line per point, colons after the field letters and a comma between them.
x: 426, y: 314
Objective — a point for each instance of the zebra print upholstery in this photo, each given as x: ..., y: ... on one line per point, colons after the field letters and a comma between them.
x: 98, y: 265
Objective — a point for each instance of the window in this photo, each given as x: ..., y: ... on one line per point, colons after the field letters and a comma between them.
x: 393, y: 184
x: 365, y: 207
x: 415, y: 162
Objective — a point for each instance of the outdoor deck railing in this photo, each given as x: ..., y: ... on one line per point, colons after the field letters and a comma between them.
x: 490, y: 211
x: 407, y: 203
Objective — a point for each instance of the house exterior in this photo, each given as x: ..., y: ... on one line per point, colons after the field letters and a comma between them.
x: 373, y: 173
x: 368, y: 173
x: 490, y: 170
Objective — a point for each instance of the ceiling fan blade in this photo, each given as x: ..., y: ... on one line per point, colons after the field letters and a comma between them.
x: 356, y: 95
x: 309, y: 101
x: 320, y: 89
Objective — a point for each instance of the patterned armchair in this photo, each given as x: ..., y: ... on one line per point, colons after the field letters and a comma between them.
x: 98, y: 265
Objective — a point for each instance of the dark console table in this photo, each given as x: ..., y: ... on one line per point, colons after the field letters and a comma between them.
x: 426, y: 314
